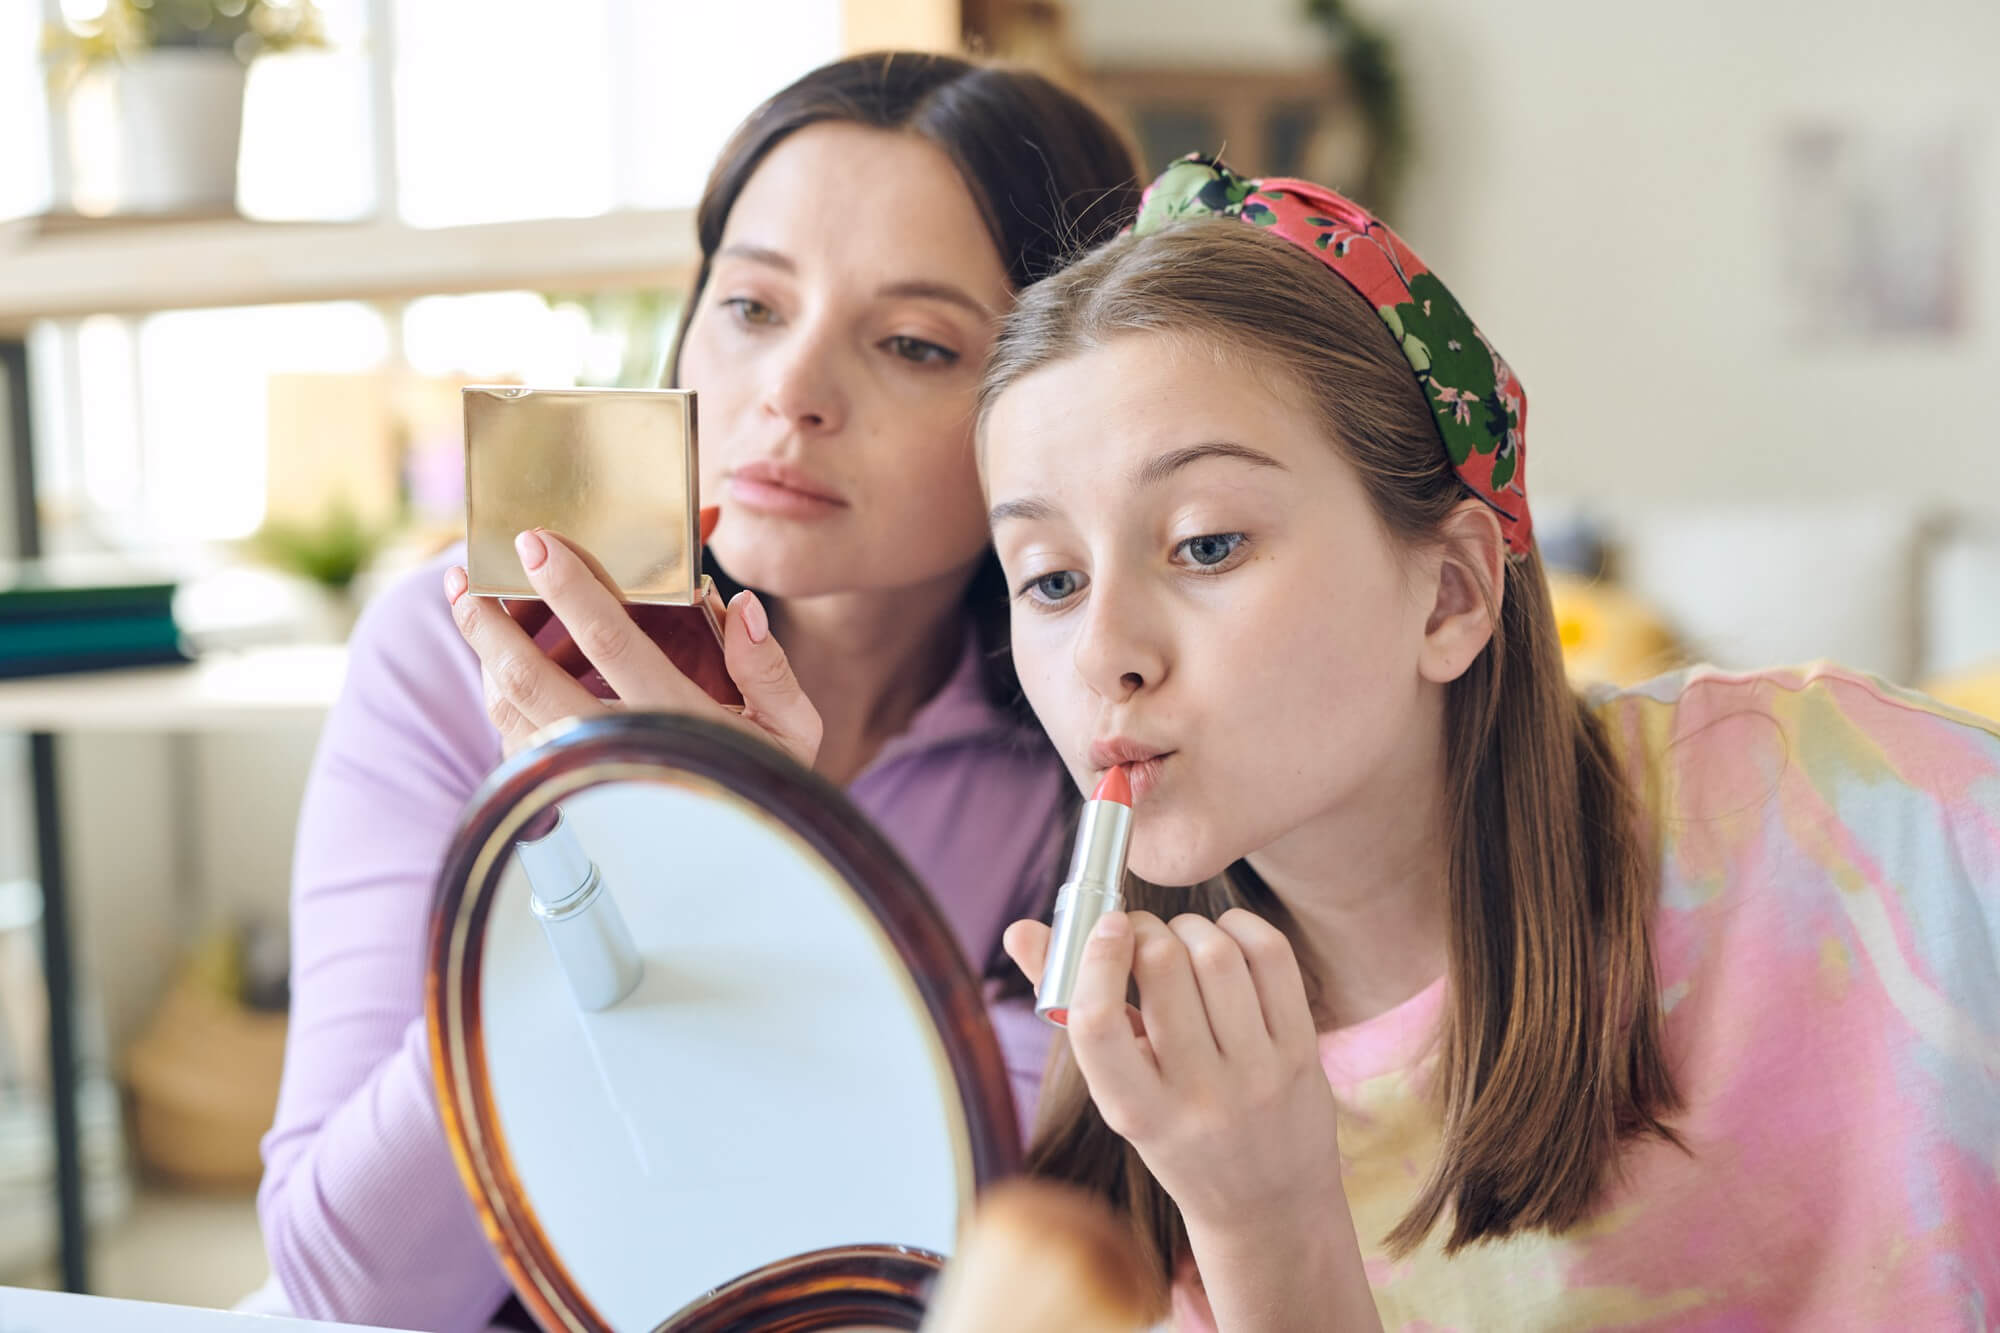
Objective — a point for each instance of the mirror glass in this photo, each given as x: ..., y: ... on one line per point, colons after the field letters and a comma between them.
x: 696, y: 1025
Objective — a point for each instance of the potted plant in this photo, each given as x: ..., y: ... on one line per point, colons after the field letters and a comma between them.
x: 149, y: 97
x: 328, y: 553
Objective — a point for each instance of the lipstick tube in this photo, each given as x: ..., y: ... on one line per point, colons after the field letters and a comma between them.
x: 1093, y: 886
x: 579, y: 917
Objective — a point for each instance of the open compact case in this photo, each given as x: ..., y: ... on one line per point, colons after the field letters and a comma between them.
x: 616, y: 474
x: 707, y: 1054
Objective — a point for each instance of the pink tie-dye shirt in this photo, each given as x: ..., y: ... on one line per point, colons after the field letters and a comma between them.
x: 1829, y: 950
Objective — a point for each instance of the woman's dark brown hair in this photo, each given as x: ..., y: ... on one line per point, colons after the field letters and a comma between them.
x: 1049, y: 174
x: 1551, y: 1055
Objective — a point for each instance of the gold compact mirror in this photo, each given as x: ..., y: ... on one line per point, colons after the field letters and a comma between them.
x: 613, y: 470
x: 707, y: 1054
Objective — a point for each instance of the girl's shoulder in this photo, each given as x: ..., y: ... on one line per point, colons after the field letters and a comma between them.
x: 1701, y: 740
x: 1822, y: 805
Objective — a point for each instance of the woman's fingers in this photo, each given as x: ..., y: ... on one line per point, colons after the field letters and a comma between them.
x: 575, y: 589
x: 1274, y: 971
x: 515, y: 730
x: 772, y: 699
x: 535, y: 687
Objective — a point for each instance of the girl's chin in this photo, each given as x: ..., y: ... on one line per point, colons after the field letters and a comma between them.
x: 1172, y: 867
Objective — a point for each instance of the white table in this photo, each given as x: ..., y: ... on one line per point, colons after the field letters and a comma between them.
x: 219, y: 692
x: 25, y: 1311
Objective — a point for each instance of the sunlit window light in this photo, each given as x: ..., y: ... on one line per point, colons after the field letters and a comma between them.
x: 204, y: 404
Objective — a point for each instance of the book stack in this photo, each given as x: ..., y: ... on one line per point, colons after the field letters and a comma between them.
x: 68, y: 615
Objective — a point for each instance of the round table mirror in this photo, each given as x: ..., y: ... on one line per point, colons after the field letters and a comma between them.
x: 706, y: 1052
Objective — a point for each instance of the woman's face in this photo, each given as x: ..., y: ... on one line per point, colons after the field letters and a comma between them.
x: 1201, y: 589
x: 836, y: 353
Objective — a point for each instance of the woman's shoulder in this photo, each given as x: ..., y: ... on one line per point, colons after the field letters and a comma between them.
x: 408, y: 665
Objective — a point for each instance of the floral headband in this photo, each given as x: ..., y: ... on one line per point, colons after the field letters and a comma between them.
x: 1480, y: 409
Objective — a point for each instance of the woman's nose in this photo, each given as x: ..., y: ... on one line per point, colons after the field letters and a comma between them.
x: 805, y: 386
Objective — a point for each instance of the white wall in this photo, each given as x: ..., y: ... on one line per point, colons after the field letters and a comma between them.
x: 1598, y: 182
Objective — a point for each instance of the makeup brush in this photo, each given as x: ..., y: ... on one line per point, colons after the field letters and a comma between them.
x: 1038, y: 1255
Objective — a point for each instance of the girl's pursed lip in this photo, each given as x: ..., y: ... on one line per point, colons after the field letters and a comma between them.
x: 1121, y: 750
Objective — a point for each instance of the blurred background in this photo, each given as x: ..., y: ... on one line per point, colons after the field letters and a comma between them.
x: 1744, y: 255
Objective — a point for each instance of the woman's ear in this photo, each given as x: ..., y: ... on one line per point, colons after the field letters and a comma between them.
x: 1471, y: 580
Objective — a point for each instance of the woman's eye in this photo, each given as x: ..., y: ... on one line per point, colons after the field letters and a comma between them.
x: 751, y: 311
x: 919, y: 351
x: 1211, y: 549
x: 1051, y: 589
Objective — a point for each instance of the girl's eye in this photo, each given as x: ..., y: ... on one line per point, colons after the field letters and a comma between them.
x: 751, y: 311
x: 1211, y: 549
x: 1052, y: 589
x: 921, y: 352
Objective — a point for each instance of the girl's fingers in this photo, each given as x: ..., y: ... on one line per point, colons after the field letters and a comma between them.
x: 1221, y: 974
x: 1116, y: 1063
x: 1171, y: 1003
x: 1027, y: 943
x: 1274, y: 971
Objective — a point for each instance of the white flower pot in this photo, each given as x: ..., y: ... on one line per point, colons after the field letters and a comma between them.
x: 156, y: 135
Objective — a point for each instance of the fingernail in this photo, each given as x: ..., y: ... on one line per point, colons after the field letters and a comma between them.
x: 710, y: 516
x: 533, y: 550
x: 754, y: 619
x: 455, y: 584
x: 1111, y: 925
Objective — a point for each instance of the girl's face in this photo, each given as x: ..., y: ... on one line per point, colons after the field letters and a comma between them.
x: 836, y: 354
x: 1201, y: 589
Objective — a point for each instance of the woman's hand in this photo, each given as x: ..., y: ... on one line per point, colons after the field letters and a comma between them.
x: 1215, y: 1079
x: 527, y: 690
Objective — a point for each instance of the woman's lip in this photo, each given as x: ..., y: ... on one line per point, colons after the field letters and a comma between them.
x: 784, y: 476
x: 780, y: 501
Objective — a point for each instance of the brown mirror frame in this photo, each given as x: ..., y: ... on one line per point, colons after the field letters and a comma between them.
x: 886, y: 1285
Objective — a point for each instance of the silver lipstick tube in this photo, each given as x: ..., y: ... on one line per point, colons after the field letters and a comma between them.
x: 580, y: 919
x: 1093, y: 886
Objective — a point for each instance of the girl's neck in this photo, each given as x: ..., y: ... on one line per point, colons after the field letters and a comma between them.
x: 1365, y: 887
x: 869, y: 661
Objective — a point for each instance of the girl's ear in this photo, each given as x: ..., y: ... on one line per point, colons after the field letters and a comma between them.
x: 1471, y: 580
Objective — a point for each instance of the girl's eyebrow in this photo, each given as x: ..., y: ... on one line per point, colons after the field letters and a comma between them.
x: 1157, y: 469
x: 1150, y: 473
x: 1032, y: 509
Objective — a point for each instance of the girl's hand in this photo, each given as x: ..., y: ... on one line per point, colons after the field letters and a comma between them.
x: 1216, y: 1079
x: 526, y: 690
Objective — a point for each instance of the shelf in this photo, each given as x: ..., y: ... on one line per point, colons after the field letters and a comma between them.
x: 127, y: 268
x: 223, y: 691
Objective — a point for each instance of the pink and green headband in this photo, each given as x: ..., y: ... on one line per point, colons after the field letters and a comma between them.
x: 1480, y: 409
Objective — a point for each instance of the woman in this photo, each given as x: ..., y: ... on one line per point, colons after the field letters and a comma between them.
x: 1672, y: 1008
x: 860, y: 236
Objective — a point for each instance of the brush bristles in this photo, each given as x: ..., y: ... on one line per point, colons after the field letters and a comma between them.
x: 1038, y: 1255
